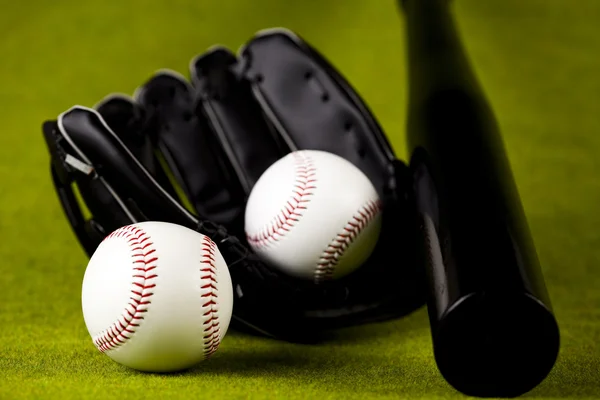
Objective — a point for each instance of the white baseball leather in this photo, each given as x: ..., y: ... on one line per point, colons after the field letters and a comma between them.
x: 313, y: 215
x: 157, y: 297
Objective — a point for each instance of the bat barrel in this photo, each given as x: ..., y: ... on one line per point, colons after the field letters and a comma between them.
x: 493, y: 328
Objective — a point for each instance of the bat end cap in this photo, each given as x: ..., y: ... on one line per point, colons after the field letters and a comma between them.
x: 497, y: 346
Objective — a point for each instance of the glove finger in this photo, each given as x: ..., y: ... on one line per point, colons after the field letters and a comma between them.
x: 234, y: 116
x: 312, y: 105
x: 128, y: 121
x: 191, y: 154
x: 122, y: 114
x: 98, y: 151
x: 87, y: 203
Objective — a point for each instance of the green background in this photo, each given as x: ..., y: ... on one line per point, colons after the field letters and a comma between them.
x: 539, y: 61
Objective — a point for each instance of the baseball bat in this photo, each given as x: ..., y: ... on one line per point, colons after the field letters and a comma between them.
x: 493, y: 330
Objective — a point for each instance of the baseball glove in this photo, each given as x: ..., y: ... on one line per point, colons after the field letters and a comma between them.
x: 189, y: 152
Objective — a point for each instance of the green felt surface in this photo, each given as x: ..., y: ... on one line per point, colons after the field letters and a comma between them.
x: 539, y: 61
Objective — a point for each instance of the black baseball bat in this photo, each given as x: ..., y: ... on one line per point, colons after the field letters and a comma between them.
x: 493, y: 329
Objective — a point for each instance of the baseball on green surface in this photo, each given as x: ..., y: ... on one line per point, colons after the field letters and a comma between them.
x: 157, y: 297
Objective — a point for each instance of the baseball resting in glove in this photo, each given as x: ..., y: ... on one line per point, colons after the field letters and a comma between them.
x: 189, y: 152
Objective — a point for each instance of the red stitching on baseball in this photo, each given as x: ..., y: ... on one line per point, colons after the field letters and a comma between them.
x: 289, y: 215
x: 145, y: 262
x: 336, y: 248
x: 211, y: 336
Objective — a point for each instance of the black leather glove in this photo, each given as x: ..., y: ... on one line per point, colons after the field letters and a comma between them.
x: 189, y: 152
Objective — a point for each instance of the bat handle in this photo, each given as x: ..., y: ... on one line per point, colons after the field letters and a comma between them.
x: 492, y: 325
